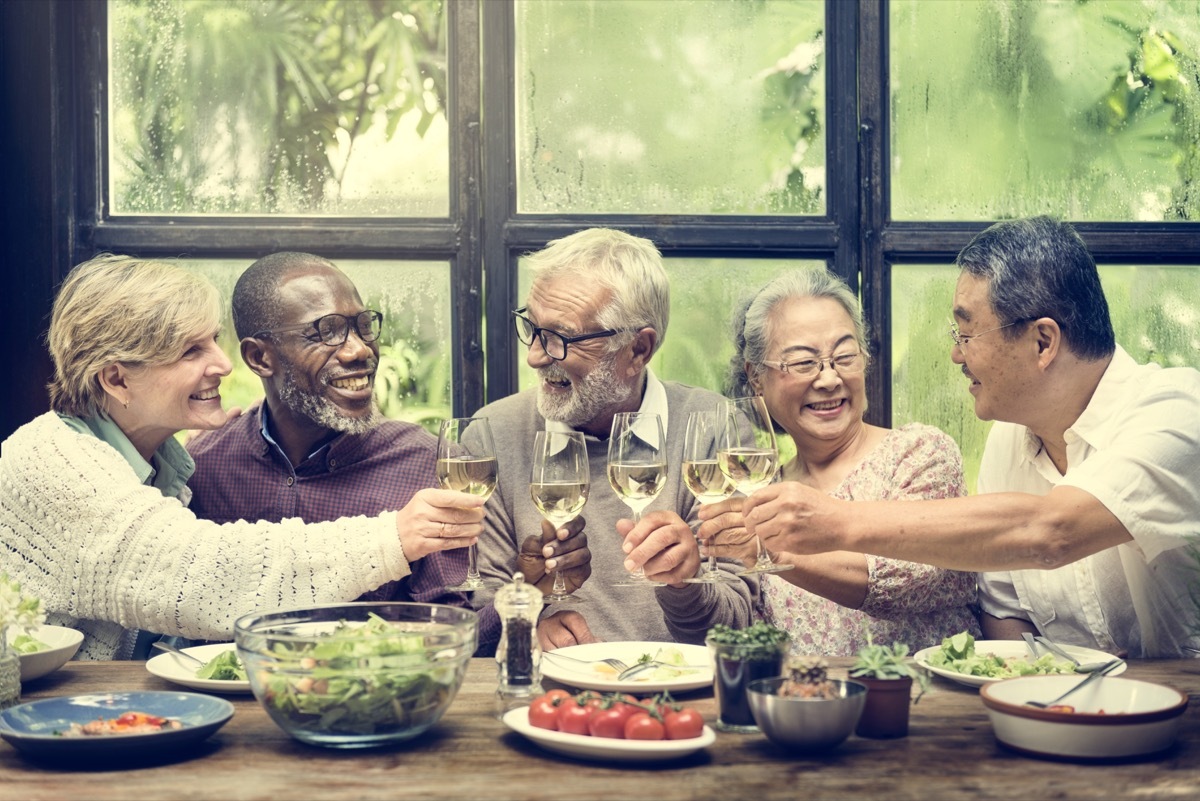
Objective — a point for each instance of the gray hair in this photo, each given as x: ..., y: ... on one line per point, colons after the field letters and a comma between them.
x: 629, y: 266
x: 118, y: 309
x: 753, y: 319
x: 256, y: 294
x: 1039, y: 267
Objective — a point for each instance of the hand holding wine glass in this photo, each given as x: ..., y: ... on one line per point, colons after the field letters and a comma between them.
x: 637, y: 470
x: 749, y: 456
x: 703, y: 477
x: 466, y: 462
x: 559, y: 487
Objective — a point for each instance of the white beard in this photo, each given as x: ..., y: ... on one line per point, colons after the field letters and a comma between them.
x: 596, y: 392
x: 321, y: 410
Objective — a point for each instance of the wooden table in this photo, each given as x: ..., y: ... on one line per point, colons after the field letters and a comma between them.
x: 950, y: 753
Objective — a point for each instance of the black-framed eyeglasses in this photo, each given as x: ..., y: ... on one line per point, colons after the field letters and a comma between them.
x: 334, y: 329
x: 847, y: 363
x: 554, y: 343
x: 962, y: 340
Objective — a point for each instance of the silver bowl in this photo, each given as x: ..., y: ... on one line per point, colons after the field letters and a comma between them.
x: 806, y: 724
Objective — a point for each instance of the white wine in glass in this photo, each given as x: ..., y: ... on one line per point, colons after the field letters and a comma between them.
x: 703, y: 477
x: 559, y: 486
x: 749, y: 456
x: 466, y: 462
x: 637, y: 470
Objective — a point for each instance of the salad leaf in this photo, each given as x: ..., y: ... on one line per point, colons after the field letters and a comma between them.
x: 958, y: 654
x: 24, y: 644
x: 225, y: 666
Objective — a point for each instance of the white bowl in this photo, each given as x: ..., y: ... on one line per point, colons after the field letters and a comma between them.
x: 1113, y: 717
x: 63, y: 642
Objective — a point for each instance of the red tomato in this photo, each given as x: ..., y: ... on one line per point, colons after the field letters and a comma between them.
x: 573, y: 718
x: 684, y: 724
x: 543, y: 714
x: 641, y: 726
x: 608, y: 723
x: 556, y: 694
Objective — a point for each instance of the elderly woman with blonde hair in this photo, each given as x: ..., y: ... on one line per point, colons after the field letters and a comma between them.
x: 93, y: 495
x: 801, y: 343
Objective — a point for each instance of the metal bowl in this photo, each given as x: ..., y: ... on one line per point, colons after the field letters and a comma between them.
x: 806, y: 724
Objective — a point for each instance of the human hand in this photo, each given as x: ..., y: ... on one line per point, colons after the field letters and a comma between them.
x: 663, y: 544
x: 439, y: 520
x: 723, y: 532
x: 562, y: 549
x: 790, y: 517
x: 562, y: 629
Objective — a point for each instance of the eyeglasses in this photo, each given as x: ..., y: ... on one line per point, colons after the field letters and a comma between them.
x: 842, y: 363
x: 962, y: 340
x: 554, y: 343
x: 334, y: 329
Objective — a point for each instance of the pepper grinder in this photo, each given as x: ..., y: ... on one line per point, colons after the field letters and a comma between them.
x: 519, y: 655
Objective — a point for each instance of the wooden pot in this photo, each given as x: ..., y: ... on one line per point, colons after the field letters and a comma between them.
x: 885, y: 713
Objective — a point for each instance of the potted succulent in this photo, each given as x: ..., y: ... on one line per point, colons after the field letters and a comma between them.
x: 889, y: 674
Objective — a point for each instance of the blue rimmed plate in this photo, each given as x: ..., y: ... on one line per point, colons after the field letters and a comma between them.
x: 36, y: 728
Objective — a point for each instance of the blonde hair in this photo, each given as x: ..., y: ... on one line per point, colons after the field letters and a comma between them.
x: 118, y: 309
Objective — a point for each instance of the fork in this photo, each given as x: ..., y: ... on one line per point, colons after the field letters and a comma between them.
x: 1080, y: 667
x: 616, y: 664
x: 653, y: 663
x: 1093, y: 676
x: 171, y: 649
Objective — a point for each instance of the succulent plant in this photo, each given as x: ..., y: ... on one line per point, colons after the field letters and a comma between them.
x: 876, y: 661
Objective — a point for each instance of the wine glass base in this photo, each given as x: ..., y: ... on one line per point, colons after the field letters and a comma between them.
x: 647, y: 583
x: 771, y: 568
x: 468, y: 585
x: 561, y: 599
x: 716, y: 577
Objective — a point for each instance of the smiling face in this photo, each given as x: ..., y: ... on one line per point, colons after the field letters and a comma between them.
x: 312, y: 385
x: 829, y: 407
x: 591, y: 384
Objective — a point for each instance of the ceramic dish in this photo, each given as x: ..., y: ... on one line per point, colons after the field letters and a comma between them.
x: 605, y: 748
x: 593, y: 677
x: 63, y: 642
x: 1006, y: 649
x: 180, y: 671
x: 1111, y: 718
x: 34, y: 727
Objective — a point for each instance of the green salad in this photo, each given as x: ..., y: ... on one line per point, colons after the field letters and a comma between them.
x: 958, y: 654
x: 24, y: 644
x: 225, y: 666
x: 672, y: 665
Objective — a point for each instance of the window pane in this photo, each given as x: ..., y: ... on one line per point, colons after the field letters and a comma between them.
x: 412, y: 381
x: 1154, y: 310
x: 670, y: 106
x: 276, y: 107
x: 1008, y: 108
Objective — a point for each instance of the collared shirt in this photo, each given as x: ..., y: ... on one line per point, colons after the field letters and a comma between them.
x: 1135, y: 449
x: 240, y: 474
x: 172, y: 465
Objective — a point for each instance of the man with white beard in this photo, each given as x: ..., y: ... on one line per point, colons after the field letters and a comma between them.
x: 596, y: 313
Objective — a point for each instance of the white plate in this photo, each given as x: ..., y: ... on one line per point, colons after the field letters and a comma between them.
x: 63, y: 642
x: 180, y: 671
x: 1005, y: 649
x: 605, y: 748
x: 588, y: 678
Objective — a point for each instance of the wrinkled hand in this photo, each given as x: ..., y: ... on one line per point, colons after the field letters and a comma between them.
x: 439, y: 520
x: 662, y: 544
x: 562, y: 629
x: 562, y: 549
x: 723, y: 532
x: 790, y: 517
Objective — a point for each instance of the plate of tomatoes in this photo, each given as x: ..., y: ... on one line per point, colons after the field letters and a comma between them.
x: 611, y: 726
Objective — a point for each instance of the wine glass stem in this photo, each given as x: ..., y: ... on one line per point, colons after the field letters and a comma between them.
x: 472, y: 563
x: 640, y: 572
x: 559, y: 589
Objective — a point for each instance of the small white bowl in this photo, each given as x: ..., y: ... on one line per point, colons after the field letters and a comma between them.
x: 1113, y: 717
x: 63, y: 642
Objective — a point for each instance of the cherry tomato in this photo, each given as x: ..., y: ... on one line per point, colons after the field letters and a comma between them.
x: 573, y: 718
x: 543, y: 714
x: 684, y: 724
x: 641, y: 726
x: 608, y: 723
x: 556, y: 694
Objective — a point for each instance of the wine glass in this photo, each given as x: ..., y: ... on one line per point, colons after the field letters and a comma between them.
x: 637, y: 470
x: 704, y: 479
x: 466, y: 462
x: 559, y: 487
x: 748, y: 456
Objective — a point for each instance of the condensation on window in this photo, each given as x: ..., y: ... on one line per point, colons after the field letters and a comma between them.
x: 670, y: 106
x: 413, y: 380
x: 253, y: 107
x: 1007, y: 108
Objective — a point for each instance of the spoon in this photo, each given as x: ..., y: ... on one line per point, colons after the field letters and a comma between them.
x: 171, y: 649
x: 1080, y: 667
x: 1093, y: 676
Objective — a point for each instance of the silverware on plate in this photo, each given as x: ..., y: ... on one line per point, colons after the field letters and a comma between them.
x: 171, y: 649
x: 1095, y: 675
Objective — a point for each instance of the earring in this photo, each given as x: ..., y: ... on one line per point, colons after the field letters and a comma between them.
x: 125, y: 404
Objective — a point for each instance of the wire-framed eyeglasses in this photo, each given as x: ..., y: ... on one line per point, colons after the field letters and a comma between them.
x: 962, y: 340
x: 334, y: 329
x: 848, y: 363
x: 554, y: 343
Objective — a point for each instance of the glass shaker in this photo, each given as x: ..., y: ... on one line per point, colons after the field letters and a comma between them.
x: 519, y: 655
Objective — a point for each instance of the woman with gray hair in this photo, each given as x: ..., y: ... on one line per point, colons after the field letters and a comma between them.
x: 93, y: 495
x: 802, y: 344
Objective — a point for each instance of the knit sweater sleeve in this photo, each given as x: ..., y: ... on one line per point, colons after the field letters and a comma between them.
x: 94, y: 544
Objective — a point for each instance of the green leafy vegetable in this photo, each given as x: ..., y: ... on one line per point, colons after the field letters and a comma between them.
x: 225, y: 666
x: 958, y: 654
x: 759, y: 640
x: 24, y: 644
